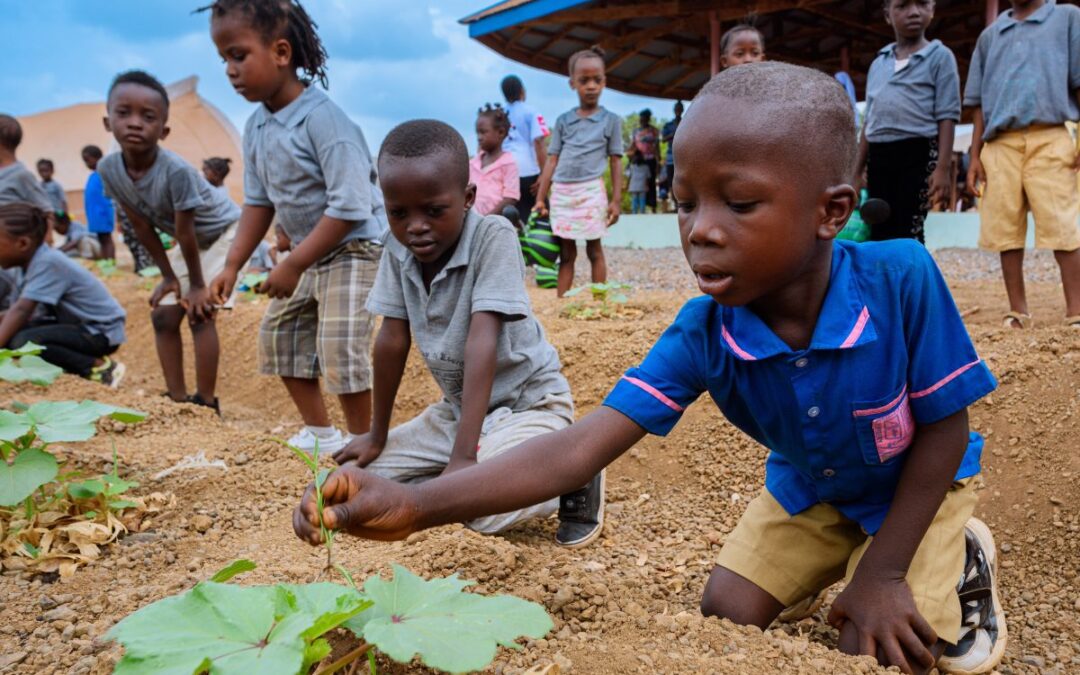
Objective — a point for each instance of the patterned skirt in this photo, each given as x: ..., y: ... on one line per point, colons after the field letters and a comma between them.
x: 579, y: 210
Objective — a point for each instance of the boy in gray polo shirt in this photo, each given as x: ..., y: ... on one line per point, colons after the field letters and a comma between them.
x: 1023, y: 85
x: 453, y: 281
x: 17, y: 184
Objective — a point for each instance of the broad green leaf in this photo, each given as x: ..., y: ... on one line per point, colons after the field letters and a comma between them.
x: 58, y: 421
x: 448, y: 629
x: 30, y: 470
x: 253, y: 279
x: 28, y: 349
x: 37, y: 370
x: 150, y: 272
x: 232, y: 569
x: 13, y: 425
x: 118, y: 486
x: 333, y: 603
x: 121, y: 504
x: 87, y: 489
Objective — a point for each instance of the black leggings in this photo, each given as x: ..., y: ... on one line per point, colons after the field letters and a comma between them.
x: 66, y: 346
x: 527, y: 199
x: 898, y: 173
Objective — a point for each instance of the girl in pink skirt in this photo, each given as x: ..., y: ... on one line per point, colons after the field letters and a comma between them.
x: 584, y: 142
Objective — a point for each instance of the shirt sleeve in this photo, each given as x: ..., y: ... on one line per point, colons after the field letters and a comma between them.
x: 555, y: 144
x: 1074, y: 51
x: 672, y: 376
x: 511, y: 185
x: 945, y: 374
x: 615, y: 142
x: 973, y: 87
x: 45, y: 282
x: 387, y: 297
x: 345, y: 164
x: 537, y: 129
x: 36, y: 194
x: 947, y: 89
x: 499, y: 284
x: 254, y: 191
x: 184, y: 187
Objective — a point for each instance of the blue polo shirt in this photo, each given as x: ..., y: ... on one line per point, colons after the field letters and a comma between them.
x: 889, y: 353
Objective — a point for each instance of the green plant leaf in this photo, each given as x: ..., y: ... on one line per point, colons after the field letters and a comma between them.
x: 29, y: 470
x: 231, y: 570
x: 88, y: 489
x: 448, y: 629
x: 58, y: 421
x: 30, y: 368
x: 28, y: 349
x: 253, y: 279
x: 573, y: 291
x: 118, y: 486
x: 222, y: 628
x: 121, y: 504
x: 322, y: 597
x: 150, y: 272
x: 13, y: 425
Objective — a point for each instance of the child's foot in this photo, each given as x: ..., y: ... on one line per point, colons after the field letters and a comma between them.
x: 581, y: 514
x: 982, y: 630
x: 109, y: 373
x: 329, y: 439
x: 197, y: 399
x: 806, y: 607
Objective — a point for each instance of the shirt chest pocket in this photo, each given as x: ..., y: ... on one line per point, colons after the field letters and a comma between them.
x: 884, y: 428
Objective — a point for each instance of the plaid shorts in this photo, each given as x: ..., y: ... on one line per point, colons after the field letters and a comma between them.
x: 324, y: 329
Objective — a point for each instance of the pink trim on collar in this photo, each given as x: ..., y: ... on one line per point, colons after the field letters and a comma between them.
x: 857, y: 331
x: 739, y: 351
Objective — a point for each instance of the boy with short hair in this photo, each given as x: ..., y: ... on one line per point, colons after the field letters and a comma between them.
x: 17, y: 184
x: 1024, y: 85
x: 100, y: 214
x: 453, y: 280
x: 160, y: 191
x: 53, y: 189
x: 848, y: 361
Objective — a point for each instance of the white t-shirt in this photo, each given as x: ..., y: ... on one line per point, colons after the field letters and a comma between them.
x: 526, y: 125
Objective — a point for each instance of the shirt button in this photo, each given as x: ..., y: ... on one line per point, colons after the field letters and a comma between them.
x: 814, y: 412
x: 828, y: 473
x: 801, y: 363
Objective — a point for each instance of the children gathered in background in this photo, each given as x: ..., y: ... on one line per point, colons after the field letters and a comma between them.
x: 585, y: 142
x: 327, y: 201
x: 492, y: 171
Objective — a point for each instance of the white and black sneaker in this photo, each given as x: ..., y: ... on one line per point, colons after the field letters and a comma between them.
x: 581, y: 514
x: 982, y: 628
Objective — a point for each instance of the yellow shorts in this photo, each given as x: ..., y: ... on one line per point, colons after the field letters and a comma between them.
x: 795, y: 557
x: 1030, y: 169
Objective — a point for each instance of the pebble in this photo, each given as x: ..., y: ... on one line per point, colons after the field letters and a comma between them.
x: 202, y: 523
x: 63, y: 613
x: 241, y: 459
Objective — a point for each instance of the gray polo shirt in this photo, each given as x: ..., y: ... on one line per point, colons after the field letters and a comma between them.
x: 485, y: 273
x: 169, y: 186
x: 909, y: 103
x: 1026, y: 73
x: 56, y: 195
x: 584, y: 144
x: 17, y: 184
x: 309, y: 159
x: 74, y: 294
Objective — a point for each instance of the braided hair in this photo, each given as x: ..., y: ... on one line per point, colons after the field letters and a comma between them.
x: 19, y: 219
x: 282, y: 19
x: 594, y: 52
x: 499, y: 119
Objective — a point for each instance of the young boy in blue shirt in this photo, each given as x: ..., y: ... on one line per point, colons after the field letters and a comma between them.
x: 848, y: 361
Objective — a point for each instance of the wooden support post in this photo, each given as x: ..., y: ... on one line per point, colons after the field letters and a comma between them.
x: 992, y: 9
x: 714, y: 43
x: 845, y: 59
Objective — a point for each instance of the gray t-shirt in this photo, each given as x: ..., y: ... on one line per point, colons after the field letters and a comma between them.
x: 1026, y: 73
x: 308, y: 160
x: 17, y: 184
x: 56, y: 195
x: 169, y: 186
x: 584, y: 144
x: 72, y: 293
x: 639, y: 177
x: 909, y: 103
x: 485, y: 273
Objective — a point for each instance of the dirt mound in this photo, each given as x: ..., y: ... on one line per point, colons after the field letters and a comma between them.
x: 626, y: 604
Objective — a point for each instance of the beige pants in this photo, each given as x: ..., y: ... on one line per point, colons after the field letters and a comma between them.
x: 212, y: 261
x: 1030, y: 169
x: 795, y: 557
x: 419, y: 449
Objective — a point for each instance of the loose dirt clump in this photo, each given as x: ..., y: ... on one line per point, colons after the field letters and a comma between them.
x: 627, y: 604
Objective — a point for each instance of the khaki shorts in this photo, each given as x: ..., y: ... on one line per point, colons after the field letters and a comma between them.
x: 324, y: 329
x: 795, y: 557
x: 211, y: 259
x: 1030, y: 169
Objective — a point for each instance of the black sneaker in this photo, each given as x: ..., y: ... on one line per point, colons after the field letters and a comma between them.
x: 982, y: 628
x: 197, y: 399
x: 109, y: 373
x: 581, y: 514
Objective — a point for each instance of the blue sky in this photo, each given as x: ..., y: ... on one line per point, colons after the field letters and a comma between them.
x: 390, y: 60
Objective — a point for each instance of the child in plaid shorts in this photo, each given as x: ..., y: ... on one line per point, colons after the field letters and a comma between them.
x: 309, y: 164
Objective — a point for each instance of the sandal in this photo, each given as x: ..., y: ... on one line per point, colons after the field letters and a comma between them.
x: 1073, y: 321
x: 1024, y: 320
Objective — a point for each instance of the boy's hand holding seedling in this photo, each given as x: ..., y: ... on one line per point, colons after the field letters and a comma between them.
x: 360, y: 503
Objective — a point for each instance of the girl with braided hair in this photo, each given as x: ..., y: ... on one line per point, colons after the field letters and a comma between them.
x: 492, y: 171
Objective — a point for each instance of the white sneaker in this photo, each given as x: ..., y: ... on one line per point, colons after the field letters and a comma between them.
x: 306, y: 439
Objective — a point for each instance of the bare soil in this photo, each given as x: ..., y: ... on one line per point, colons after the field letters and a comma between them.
x: 627, y: 604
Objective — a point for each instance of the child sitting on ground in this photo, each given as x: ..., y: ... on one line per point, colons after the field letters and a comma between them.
x: 215, y: 170
x: 453, y: 280
x: 1022, y: 156
x: 742, y: 44
x: 89, y: 323
x: 492, y: 171
x: 160, y: 191
x: 55, y: 191
x: 77, y: 240
x: 912, y: 107
x: 326, y: 198
x: 582, y: 140
x: 17, y: 184
x: 638, y: 174
x: 848, y: 361
x: 100, y: 214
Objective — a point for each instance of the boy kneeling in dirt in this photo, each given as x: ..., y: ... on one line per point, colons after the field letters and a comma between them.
x: 848, y: 361
x: 453, y: 280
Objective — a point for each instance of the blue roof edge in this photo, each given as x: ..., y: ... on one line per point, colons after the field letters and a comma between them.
x: 520, y: 14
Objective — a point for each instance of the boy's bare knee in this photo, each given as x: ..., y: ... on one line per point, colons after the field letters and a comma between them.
x: 167, y: 319
x: 729, y: 596
x: 568, y: 254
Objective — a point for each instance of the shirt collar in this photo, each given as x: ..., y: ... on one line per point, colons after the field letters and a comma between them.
x: 597, y: 116
x: 844, y: 321
x: 932, y: 46
x: 1006, y: 20
x: 296, y: 111
x: 477, y: 161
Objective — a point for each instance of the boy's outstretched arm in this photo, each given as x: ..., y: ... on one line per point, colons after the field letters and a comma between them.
x: 389, y: 357
x: 546, y: 466
x: 148, y: 237
x: 254, y: 223
x: 197, y: 304
x: 326, y: 236
x: 878, y: 601
x: 544, y: 182
x: 480, y: 346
